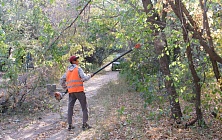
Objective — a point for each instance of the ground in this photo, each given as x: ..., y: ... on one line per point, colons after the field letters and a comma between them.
x: 115, y: 111
x: 53, y: 126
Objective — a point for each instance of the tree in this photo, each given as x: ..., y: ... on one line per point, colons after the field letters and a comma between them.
x: 205, y: 39
x: 160, y: 45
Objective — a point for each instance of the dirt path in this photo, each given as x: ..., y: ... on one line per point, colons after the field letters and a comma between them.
x: 53, y: 126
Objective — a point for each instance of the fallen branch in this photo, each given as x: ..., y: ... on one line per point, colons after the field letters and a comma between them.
x: 216, y: 115
x: 190, y: 123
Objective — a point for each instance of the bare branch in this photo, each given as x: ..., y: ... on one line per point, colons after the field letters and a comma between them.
x: 58, y: 37
x: 196, y: 30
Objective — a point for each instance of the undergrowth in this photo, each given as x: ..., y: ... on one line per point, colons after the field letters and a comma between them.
x: 121, y: 114
x: 33, y: 108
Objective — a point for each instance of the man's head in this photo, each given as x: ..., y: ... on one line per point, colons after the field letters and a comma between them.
x: 73, y: 59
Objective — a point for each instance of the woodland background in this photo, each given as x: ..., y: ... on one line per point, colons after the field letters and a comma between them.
x: 179, y: 61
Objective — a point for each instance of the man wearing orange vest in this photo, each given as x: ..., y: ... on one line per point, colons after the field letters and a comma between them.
x: 72, y: 81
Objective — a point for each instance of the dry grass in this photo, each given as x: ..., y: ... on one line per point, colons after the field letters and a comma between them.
x: 116, y: 112
x: 120, y: 114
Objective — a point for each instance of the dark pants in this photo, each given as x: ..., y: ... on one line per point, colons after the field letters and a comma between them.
x: 82, y: 99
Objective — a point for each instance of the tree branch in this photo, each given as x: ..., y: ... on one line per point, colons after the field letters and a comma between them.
x: 196, y: 30
x: 58, y: 37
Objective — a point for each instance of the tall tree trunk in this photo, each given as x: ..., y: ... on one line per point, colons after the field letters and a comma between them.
x: 164, y: 66
x: 160, y: 44
x: 206, y: 28
x: 196, y: 79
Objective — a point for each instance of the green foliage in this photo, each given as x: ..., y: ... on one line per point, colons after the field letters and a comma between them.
x: 3, y: 49
x: 121, y: 110
x: 24, y: 28
x: 105, y: 28
x: 142, y: 73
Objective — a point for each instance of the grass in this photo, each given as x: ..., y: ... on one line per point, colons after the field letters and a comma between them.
x: 120, y: 114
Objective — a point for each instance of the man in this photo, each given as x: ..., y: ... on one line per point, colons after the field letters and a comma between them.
x: 72, y: 81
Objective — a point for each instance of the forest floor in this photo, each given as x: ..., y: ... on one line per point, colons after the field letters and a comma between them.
x: 115, y: 112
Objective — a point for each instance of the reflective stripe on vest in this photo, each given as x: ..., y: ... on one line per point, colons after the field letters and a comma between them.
x: 73, y: 81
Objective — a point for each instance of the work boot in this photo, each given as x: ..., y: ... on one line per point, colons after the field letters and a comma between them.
x: 70, y: 127
x: 86, y: 126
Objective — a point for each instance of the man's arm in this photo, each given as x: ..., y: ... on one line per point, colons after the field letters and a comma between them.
x: 60, y: 95
x: 63, y: 82
x: 83, y: 76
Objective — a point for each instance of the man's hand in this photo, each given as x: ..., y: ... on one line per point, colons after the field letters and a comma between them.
x: 58, y: 96
x: 90, y: 75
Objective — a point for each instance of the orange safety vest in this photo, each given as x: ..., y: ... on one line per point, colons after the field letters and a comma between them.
x: 73, y: 81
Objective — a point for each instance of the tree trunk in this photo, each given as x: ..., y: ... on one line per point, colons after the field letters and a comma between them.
x: 164, y: 66
x: 160, y: 44
x: 196, y: 79
x: 178, y: 8
x: 206, y: 28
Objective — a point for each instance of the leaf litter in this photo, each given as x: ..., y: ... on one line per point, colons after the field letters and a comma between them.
x: 115, y: 112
